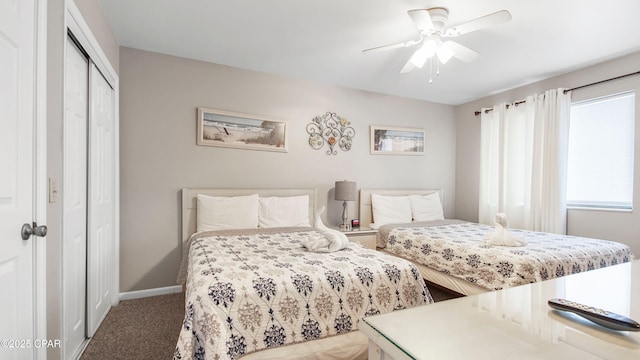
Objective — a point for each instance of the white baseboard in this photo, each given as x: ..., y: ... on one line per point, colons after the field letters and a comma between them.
x: 139, y: 294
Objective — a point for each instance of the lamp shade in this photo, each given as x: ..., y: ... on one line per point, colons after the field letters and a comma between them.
x: 345, y: 190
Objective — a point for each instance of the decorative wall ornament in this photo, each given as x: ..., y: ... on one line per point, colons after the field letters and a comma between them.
x: 331, y: 129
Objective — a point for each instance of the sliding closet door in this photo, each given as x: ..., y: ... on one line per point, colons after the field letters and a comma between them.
x: 74, y: 200
x: 102, y: 172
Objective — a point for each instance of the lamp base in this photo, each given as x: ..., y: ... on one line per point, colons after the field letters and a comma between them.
x: 345, y: 223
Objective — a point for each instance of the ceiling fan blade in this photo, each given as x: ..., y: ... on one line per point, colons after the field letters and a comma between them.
x: 461, y: 52
x: 393, y: 46
x: 408, y: 67
x: 421, y: 19
x: 496, y: 18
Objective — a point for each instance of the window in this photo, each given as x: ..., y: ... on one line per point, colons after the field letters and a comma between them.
x: 601, y: 146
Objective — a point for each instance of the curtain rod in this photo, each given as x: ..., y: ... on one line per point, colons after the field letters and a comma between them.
x: 476, y: 113
x: 602, y: 81
x: 487, y: 110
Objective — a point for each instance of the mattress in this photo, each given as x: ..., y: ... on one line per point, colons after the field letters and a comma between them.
x: 457, y: 248
x: 251, y: 291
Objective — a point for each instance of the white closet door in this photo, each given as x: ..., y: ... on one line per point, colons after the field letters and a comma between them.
x: 74, y: 200
x: 102, y: 173
x: 17, y: 68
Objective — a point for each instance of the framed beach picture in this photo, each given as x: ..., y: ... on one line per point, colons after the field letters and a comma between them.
x: 389, y: 140
x: 241, y: 131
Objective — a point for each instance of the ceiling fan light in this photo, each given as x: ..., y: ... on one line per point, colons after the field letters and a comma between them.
x: 444, y: 53
x: 421, y: 55
x: 418, y: 58
x: 430, y: 47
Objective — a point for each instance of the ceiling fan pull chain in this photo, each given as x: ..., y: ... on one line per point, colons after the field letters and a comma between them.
x: 430, y: 70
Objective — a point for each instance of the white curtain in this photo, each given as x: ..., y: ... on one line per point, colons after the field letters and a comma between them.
x: 523, y: 162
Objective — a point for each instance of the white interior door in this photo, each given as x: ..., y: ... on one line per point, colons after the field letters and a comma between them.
x: 101, y: 200
x: 17, y: 104
x: 74, y: 200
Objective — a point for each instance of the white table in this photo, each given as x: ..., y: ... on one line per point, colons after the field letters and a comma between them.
x: 515, y: 323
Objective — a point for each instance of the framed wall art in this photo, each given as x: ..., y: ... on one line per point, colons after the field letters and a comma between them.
x: 387, y: 140
x: 241, y: 131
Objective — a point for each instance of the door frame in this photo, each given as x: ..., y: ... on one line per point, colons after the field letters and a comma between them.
x: 41, y: 193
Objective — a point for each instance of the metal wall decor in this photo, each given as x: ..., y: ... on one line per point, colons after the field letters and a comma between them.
x: 331, y: 129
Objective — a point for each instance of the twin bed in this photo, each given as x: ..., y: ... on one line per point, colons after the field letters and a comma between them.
x: 252, y: 291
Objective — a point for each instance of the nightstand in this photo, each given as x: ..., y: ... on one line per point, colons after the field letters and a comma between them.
x: 364, y: 236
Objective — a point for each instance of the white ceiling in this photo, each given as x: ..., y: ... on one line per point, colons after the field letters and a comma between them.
x: 322, y: 40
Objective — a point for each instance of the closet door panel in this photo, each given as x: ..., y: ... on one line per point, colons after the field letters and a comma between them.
x: 101, y: 200
x: 74, y: 200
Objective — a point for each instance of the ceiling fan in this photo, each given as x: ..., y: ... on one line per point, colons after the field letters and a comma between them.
x: 431, y: 24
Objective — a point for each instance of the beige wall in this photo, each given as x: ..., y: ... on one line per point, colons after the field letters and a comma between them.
x: 56, y: 38
x: 611, y: 225
x: 159, y: 95
x: 92, y: 13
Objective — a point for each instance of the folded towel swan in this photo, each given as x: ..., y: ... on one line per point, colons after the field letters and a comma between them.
x: 501, y: 235
x: 331, y: 240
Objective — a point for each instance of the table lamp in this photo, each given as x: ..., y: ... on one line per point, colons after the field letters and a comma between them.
x: 345, y: 191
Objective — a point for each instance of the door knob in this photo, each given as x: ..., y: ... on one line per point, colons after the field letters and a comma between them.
x: 28, y: 230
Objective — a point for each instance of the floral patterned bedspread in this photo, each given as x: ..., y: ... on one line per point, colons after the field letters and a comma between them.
x: 457, y: 248
x: 252, y: 291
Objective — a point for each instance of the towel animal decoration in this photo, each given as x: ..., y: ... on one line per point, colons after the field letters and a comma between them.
x: 330, y: 241
x: 501, y: 235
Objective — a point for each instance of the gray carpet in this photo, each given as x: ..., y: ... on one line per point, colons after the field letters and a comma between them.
x: 145, y: 328
x: 148, y: 328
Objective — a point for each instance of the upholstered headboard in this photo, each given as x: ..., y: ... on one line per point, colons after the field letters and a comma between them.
x: 366, y: 212
x: 190, y: 196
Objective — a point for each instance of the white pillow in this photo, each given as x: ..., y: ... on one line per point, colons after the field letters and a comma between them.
x: 390, y: 209
x: 426, y: 207
x: 227, y: 212
x: 283, y: 211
